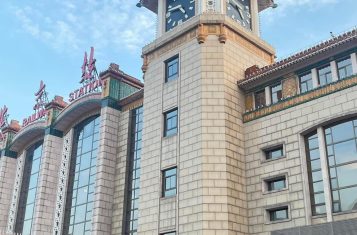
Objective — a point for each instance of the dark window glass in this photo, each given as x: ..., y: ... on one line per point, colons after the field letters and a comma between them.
x: 341, y: 141
x: 276, y: 93
x: 325, y: 75
x: 170, y: 233
x: 259, y: 99
x: 344, y: 67
x: 172, y: 69
x: 315, y: 175
x: 169, y: 182
x: 278, y: 214
x: 276, y: 184
x: 274, y: 153
x: 133, y: 186
x: 78, y: 215
x: 170, y: 125
x: 306, y: 83
x: 29, y: 189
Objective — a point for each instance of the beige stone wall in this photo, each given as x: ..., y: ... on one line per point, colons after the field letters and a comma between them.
x: 120, y: 173
x: 286, y: 127
x: 208, y: 148
x: 47, y: 185
x: 7, y: 179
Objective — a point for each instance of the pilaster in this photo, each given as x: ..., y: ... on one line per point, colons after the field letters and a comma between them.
x: 47, y: 185
x: 104, y: 186
x: 7, y: 179
x: 354, y: 62
x: 325, y: 173
x: 315, y: 78
x: 334, y: 71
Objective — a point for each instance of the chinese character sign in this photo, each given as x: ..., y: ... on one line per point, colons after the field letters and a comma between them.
x: 40, y: 110
x: 88, y: 67
x: 41, y: 97
x: 3, y: 117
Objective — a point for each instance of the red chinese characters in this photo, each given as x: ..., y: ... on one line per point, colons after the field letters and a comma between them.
x: 88, y: 67
x: 40, y: 111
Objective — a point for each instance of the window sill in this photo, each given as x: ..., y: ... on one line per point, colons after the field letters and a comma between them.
x: 344, y: 212
x: 319, y: 216
x: 278, y: 221
x: 275, y: 191
x: 168, y: 198
x: 169, y: 136
x: 272, y: 160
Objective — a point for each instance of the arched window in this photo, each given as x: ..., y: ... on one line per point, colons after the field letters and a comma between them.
x: 28, y: 189
x: 340, y: 142
x: 80, y: 195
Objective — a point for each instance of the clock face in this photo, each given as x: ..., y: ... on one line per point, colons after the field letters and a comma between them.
x: 178, y: 11
x: 239, y: 10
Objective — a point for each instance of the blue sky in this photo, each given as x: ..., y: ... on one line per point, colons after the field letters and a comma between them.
x: 46, y: 39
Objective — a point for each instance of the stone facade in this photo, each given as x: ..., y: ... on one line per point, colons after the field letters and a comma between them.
x: 220, y: 147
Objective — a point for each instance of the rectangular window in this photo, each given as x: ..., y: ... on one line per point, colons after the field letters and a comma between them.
x: 170, y: 125
x: 305, y: 82
x: 276, y: 183
x: 274, y: 153
x: 277, y: 214
x: 172, y: 68
x: 259, y: 99
x: 344, y: 67
x: 325, y: 75
x: 276, y: 93
x: 169, y: 233
x: 169, y: 182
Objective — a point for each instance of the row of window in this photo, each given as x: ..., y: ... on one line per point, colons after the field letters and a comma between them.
x: 306, y: 81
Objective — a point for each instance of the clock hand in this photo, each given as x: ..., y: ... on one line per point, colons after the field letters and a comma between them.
x: 174, y: 8
x: 182, y: 10
x: 237, y: 4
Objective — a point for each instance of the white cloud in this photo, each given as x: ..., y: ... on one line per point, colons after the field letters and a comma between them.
x: 68, y: 26
x: 287, y: 6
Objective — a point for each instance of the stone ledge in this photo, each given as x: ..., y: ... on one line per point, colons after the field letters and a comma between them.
x: 301, y: 98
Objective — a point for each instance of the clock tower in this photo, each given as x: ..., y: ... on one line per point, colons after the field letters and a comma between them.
x: 193, y: 175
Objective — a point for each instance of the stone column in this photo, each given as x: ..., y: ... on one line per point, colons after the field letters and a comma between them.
x: 354, y: 62
x: 255, y: 17
x: 8, y: 161
x: 7, y: 179
x: 325, y: 172
x: 11, y: 219
x: 104, y: 185
x: 46, y: 194
x: 47, y: 185
x: 267, y: 96
x: 334, y: 71
x: 315, y: 78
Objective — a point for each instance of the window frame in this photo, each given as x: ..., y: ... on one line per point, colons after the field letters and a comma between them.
x: 268, y: 150
x: 267, y: 181
x: 168, y: 65
x: 164, y: 180
x: 276, y: 209
x: 262, y: 91
x: 319, y: 77
x: 305, y: 82
x: 344, y: 67
x: 271, y: 87
x: 166, y: 119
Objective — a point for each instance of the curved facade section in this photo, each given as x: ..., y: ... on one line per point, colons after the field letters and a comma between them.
x: 85, y: 106
x: 27, y: 135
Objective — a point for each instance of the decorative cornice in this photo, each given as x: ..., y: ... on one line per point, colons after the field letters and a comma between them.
x: 258, y: 73
x: 114, y: 72
x: 301, y: 98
